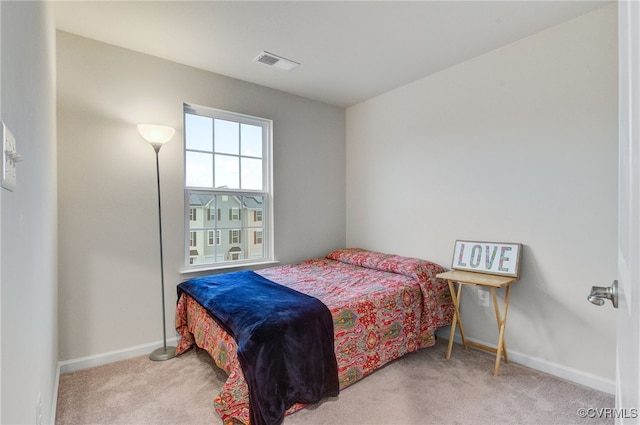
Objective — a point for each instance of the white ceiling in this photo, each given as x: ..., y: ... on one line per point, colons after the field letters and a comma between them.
x: 350, y: 51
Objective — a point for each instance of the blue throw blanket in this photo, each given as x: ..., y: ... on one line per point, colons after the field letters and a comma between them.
x: 284, y: 337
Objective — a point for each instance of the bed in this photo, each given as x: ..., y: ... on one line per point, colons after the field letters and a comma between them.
x: 382, y: 307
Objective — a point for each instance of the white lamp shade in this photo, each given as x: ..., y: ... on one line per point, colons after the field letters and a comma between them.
x: 156, y: 134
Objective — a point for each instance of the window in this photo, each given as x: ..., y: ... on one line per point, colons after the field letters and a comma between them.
x: 234, y: 236
x: 227, y: 187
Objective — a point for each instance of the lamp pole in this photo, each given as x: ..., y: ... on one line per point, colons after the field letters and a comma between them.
x: 157, y: 135
x: 164, y: 352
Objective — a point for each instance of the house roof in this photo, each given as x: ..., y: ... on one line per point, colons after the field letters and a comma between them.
x: 202, y: 200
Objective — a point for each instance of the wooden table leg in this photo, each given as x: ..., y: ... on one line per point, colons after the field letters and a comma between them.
x: 455, y: 297
x: 502, y: 322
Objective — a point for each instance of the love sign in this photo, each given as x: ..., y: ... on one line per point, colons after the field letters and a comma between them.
x: 487, y: 257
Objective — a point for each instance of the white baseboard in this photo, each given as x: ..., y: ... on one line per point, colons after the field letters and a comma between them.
x: 555, y: 369
x: 111, y: 356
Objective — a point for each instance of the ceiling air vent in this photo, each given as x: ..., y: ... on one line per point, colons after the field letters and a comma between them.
x: 276, y: 61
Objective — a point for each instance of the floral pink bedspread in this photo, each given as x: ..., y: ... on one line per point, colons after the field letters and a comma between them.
x: 383, y: 306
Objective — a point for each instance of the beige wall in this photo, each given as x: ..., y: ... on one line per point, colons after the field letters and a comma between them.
x: 108, y: 248
x: 517, y: 145
x: 29, y: 216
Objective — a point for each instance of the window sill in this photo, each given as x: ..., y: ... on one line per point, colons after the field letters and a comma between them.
x: 225, y: 267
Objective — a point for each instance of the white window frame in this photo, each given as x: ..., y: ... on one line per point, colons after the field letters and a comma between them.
x: 235, y: 236
x: 266, y: 194
x: 215, y: 235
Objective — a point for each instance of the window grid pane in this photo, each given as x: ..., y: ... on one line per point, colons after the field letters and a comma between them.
x: 251, y: 140
x: 198, y: 169
x: 251, y: 177
x: 227, y: 172
x: 227, y: 137
x: 198, y: 133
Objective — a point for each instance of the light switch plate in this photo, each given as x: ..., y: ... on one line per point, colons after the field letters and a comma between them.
x: 8, y: 159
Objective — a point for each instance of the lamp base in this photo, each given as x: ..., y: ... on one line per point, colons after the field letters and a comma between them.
x: 163, y: 353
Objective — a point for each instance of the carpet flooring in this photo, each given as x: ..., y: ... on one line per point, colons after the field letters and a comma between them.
x: 419, y: 389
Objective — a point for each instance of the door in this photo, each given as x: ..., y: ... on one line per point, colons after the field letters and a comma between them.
x: 628, y: 338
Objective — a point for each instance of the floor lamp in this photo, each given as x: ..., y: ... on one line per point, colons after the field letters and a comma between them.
x: 158, y: 135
